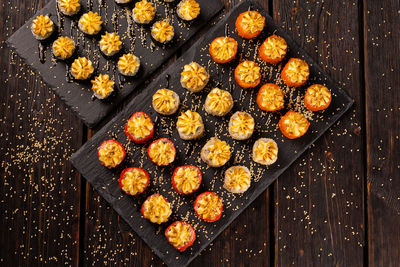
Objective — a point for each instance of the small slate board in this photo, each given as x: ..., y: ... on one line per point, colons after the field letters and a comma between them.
x: 188, y: 152
x: 135, y: 38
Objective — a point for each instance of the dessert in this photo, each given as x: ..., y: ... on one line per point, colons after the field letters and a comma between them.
x: 102, y: 86
x: 161, y: 152
x: 82, y: 68
x: 90, y: 23
x: 270, y: 97
x: 295, y: 73
x: 273, y: 49
x: 218, y: 102
x: 293, y: 124
x: 190, y: 125
x: 143, y: 12
x: 241, y: 125
x: 156, y: 209
x: 208, y: 206
x: 249, y: 24
x: 194, y: 77
x: 237, y: 179
x: 223, y: 49
x: 139, y: 128
x: 216, y: 152
x: 63, y: 48
x: 111, y: 153
x: 247, y: 74
x: 265, y: 151
x: 165, y: 101
x: 133, y: 181
x: 317, y: 97
x: 188, y: 9
x: 42, y: 27
x: 180, y: 235
x: 186, y: 179
x: 128, y: 65
x: 162, y: 31
x: 110, y: 44
x: 69, y: 7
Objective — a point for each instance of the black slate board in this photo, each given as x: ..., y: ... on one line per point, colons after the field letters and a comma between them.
x: 105, y: 181
x: 135, y: 38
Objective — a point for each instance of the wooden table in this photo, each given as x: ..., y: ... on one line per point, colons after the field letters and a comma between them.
x: 338, y: 205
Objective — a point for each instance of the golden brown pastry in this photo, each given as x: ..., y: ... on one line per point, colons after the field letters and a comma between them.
x: 69, y: 7
x: 295, y: 73
x: 162, y: 31
x: 102, y: 86
x: 156, y: 209
x: 90, y: 23
x: 144, y: 12
x: 42, y: 27
x: 110, y: 44
x: 128, y: 65
x: 63, y: 47
x: 194, y: 77
x: 82, y: 68
x: 188, y: 10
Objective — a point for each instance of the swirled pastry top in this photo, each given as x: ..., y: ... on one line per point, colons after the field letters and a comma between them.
x: 223, y: 48
x: 220, y: 152
x: 102, y: 85
x: 111, y: 154
x: 162, y: 153
x: 128, y: 63
x: 63, y: 47
x: 179, y: 234
x: 248, y: 71
x: 297, y: 70
x: 42, y: 26
x: 275, y: 47
x: 242, y: 123
x: 295, y: 123
x: 90, y: 22
x: 271, y: 97
x: 70, y: 6
x: 194, y: 76
x: 164, y: 100
x: 134, y: 181
x: 187, y: 179
x: 238, y: 178
x: 140, y: 126
x: 188, y: 122
x: 253, y: 21
x: 209, y: 206
x: 188, y: 9
x: 266, y: 150
x: 82, y: 68
x: 144, y: 11
x: 156, y: 209
x: 110, y: 43
x: 318, y: 95
x: 219, y: 100
x: 162, y: 31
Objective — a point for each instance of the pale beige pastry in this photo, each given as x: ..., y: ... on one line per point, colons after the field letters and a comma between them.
x: 144, y: 12
x: 165, y: 101
x: 69, y: 7
x: 188, y: 9
x: 237, y: 179
x: 82, y: 68
x: 110, y: 44
x: 102, y: 86
x: 90, y: 23
x: 128, y: 65
x: 190, y: 125
x: 218, y: 102
x: 162, y: 31
x: 241, y: 125
x: 265, y: 151
x: 194, y: 77
x: 216, y: 152
x: 42, y: 27
x: 63, y: 48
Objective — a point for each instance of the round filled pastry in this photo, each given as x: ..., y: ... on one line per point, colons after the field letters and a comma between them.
x: 265, y: 151
x: 69, y: 7
x: 223, y: 49
x: 270, y: 97
x: 249, y: 24
x: 161, y: 152
x: 317, y: 97
x: 42, y: 27
x: 237, y: 179
x: 180, y: 235
x: 186, y: 179
x: 110, y: 44
x: 165, y: 101
x: 273, y: 49
x: 139, y: 128
x: 190, y: 125
x: 133, y: 181
x: 293, y: 124
x: 241, y: 125
x: 295, y: 73
x: 162, y: 31
x: 102, y: 86
x: 90, y: 23
x: 82, y: 68
x: 143, y: 12
x: 156, y: 209
x: 188, y: 10
x: 194, y: 77
x: 63, y: 48
x: 128, y: 65
x: 216, y: 152
x: 218, y: 102
x: 247, y: 74
x: 208, y: 206
x: 111, y: 153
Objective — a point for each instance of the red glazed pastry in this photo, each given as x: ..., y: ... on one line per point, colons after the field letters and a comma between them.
x: 186, y: 179
x: 270, y: 97
x: 295, y: 73
x: 317, y: 97
x: 249, y: 24
x: 111, y: 153
x: 208, y: 206
x: 223, y: 49
x: 180, y: 235
x: 139, y: 128
x: 273, y: 49
x: 247, y: 74
x: 156, y: 209
x: 161, y: 152
x: 293, y: 124
x: 133, y: 181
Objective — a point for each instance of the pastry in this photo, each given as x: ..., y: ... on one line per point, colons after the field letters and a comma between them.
x: 162, y: 31
x: 223, y: 49
x: 218, y: 102
x: 190, y: 125
x: 273, y: 49
x: 265, y: 151
x: 143, y: 12
x: 270, y: 97
x: 161, y: 152
x: 241, y: 125
x: 295, y: 73
x: 165, y: 101
x: 63, y: 48
x: 111, y: 153
x: 133, y: 181
x: 156, y: 209
x: 186, y: 179
x: 247, y: 74
x: 215, y: 152
x: 128, y: 65
x: 102, y: 86
x: 194, y: 77
x: 69, y: 7
x: 110, y: 44
x: 249, y: 24
x: 90, y: 23
x: 180, y: 235
x: 293, y: 124
x: 82, y: 68
x: 188, y: 10
x: 317, y: 97
x: 237, y: 179
x: 139, y: 128
x: 208, y: 206
x: 42, y: 27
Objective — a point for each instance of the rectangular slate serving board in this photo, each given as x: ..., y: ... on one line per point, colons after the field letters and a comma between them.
x: 136, y: 39
x: 105, y: 180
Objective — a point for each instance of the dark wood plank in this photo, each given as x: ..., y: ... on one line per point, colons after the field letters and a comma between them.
x: 319, y: 218
x: 40, y: 190
x: 381, y: 46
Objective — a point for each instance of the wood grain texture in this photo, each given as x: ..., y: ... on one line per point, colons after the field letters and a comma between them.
x: 382, y: 97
